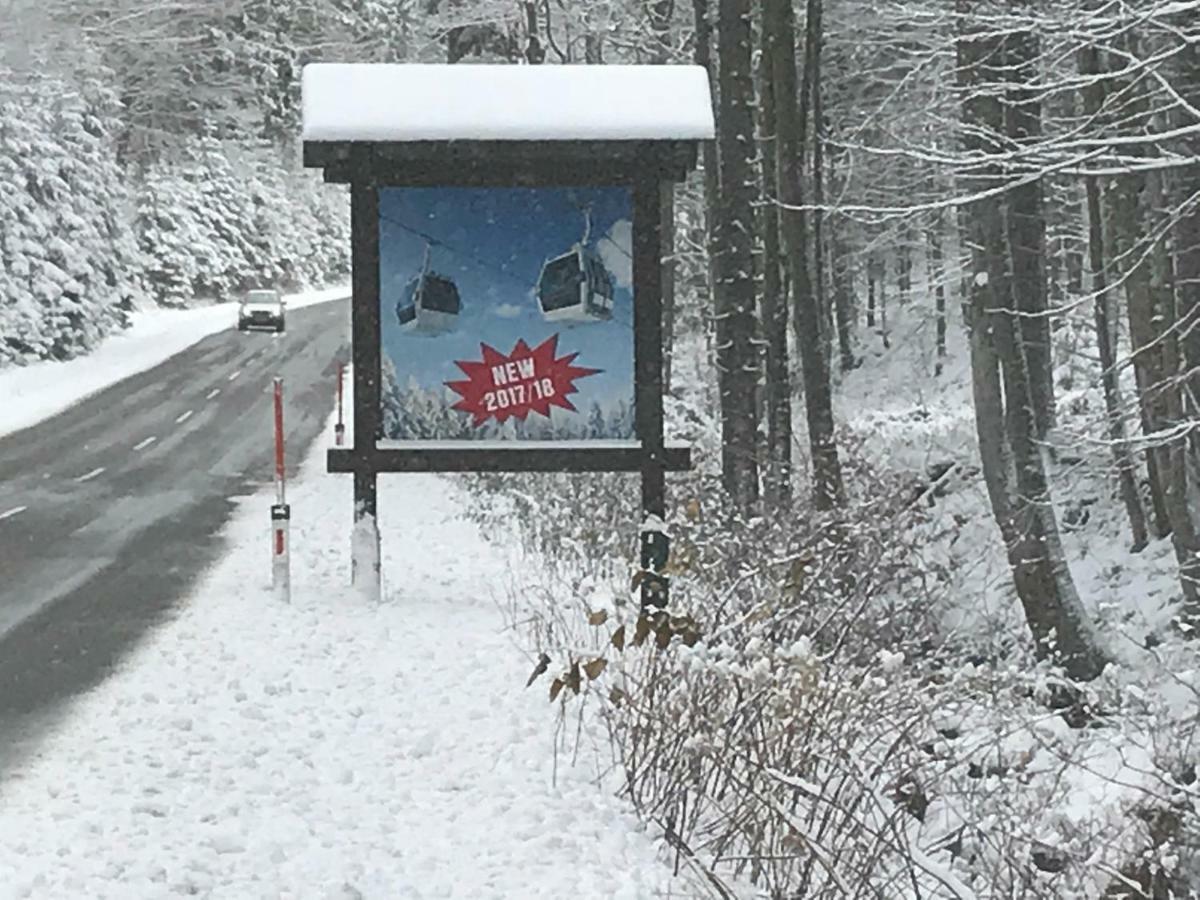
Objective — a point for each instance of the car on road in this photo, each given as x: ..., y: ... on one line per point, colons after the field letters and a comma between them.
x: 261, y: 310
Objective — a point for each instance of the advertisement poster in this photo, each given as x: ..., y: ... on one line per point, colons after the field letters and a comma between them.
x: 507, y: 314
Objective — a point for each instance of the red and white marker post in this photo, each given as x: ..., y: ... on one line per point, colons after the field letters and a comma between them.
x: 280, y: 513
x: 339, y: 430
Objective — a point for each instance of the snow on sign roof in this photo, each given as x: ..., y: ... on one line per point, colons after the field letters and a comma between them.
x: 378, y: 102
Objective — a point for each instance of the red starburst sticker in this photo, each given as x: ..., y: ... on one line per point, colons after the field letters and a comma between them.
x: 524, y: 381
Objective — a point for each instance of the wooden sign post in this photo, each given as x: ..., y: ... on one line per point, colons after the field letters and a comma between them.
x: 507, y: 270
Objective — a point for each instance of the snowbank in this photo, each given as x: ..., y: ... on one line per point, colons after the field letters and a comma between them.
x: 39, y: 391
x: 324, y: 748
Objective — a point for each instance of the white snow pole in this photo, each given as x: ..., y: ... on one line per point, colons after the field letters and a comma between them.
x: 365, y: 570
x: 281, y: 579
x: 339, y: 430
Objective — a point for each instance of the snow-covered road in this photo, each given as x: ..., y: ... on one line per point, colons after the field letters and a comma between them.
x: 112, y: 508
x: 324, y: 749
x: 40, y: 390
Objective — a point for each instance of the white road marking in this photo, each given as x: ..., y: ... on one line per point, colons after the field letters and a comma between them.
x: 235, y: 374
x: 90, y: 475
x: 183, y: 418
x: 17, y: 510
x: 212, y: 393
x: 142, y: 445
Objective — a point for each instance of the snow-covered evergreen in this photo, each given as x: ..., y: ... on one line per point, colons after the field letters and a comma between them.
x: 222, y: 220
x: 87, y: 239
x: 70, y: 267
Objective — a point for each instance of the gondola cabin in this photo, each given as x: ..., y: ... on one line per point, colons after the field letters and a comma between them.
x: 575, y: 287
x: 430, y: 304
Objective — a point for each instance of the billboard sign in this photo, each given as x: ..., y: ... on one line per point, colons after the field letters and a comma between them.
x: 506, y: 314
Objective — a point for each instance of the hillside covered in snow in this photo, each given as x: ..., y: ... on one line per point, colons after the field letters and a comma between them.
x: 104, y: 213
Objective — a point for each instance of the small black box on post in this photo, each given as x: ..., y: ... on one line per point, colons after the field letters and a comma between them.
x: 507, y: 266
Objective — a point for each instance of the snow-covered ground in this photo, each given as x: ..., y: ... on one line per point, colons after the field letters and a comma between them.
x: 903, y: 418
x: 1099, y: 779
x: 325, y: 749
x: 36, y: 392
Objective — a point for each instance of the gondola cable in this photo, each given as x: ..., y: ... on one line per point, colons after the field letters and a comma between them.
x: 618, y: 247
x: 494, y: 268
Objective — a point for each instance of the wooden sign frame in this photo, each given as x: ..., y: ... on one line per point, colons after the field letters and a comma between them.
x: 647, y: 167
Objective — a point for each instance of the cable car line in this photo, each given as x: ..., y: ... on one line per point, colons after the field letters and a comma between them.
x: 620, y: 249
x: 437, y: 242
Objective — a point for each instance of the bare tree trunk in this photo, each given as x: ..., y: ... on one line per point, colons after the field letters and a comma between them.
x: 828, y: 490
x: 1187, y: 274
x: 1126, y: 221
x: 1027, y: 227
x: 884, y: 333
x: 1073, y: 255
x: 737, y: 356
x: 1174, y: 452
x: 1093, y: 101
x: 819, y: 243
x: 843, y: 282
x: 777, y: 482
x: 708, y: 157
x: 843, y: 295
x: 1126, y: 468
x: 1005, y: 422
x: 1054, y: 263
x: 1128, y: 215
x: 904, y: 266
x: 961, y: 240
x: 937, y: 274
x: 1121, y: 229
x: 872, y: 272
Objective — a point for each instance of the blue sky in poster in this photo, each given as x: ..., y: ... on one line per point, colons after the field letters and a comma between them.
x: 492, y: 242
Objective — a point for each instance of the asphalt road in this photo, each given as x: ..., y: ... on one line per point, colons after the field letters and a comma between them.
x: 111, y: 510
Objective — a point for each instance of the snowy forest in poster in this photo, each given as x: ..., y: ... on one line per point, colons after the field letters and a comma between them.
x: 475, y: 274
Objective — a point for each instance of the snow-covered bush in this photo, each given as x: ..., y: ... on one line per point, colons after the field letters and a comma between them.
x: 801, y: 720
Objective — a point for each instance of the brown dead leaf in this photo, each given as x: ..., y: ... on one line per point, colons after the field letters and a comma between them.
x: 595, y: 667
x: 618, y: 638
x: 641, y: 632
x: 599, y: 617
x: 617, y: 696
x: 573, y: 679
x: 556, y: 689
x: 662, y: 637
